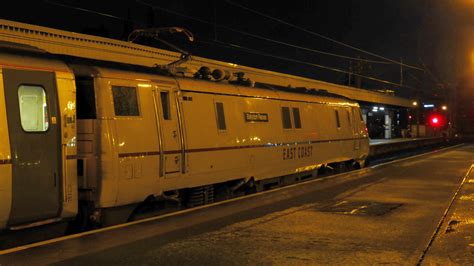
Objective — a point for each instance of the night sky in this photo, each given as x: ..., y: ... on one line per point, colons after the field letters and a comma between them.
x: 428, y: 34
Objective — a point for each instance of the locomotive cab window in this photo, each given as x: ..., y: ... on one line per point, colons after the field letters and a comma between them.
x: 338, y: 122
x: 349, y: 120
x: 33, y: 108
x: 165, y: 104
x: 296, y: 117
x: 125, y: 101
x: 360, y: 115
x: 285, y: 114
x: 220, y: 116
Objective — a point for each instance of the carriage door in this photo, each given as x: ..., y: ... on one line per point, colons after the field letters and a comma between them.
x: 168, y: 116
x: 33, y: 123
x: 355, y: 129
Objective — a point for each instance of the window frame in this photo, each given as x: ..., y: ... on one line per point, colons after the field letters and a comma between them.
x: 296, y: 122
x: 47, y: 107
x: 283, y: 116
x: 338, y: 121
x: 349, y: 118
x: 137, y: 101
x: 168, y: 111
x: 218, y: 115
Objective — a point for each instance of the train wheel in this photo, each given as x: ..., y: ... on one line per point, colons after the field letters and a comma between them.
x: 355, y: 165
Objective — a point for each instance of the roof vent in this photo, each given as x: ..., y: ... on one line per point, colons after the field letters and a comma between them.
x: 241, y: 80
x: 219, y: 74
x: 203, y: 73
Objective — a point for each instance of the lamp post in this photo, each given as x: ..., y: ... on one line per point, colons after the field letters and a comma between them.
x: 417, y: 115
x: 447, y: 113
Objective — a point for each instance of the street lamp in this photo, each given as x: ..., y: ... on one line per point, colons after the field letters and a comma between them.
x: 417, y: 117
x: 444, y: 107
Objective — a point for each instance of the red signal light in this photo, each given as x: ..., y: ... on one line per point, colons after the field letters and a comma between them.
x: 436, y: 120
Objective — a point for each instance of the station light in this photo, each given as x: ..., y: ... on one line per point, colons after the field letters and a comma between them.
x: 444, y: 107
x: 415, y: 103
x: 377, y: 108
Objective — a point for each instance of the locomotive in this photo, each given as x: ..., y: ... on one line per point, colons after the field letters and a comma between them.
x: 90, y: 141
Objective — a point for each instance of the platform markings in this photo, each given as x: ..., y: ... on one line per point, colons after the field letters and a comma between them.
x: 443, y: 218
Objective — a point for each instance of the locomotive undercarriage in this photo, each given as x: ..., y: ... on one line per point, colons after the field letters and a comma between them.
x: 170, y: 201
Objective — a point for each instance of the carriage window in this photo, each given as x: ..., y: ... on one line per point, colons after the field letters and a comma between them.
x: 85, y: 98
x: 165, y: 104
x: 360, y: 115
x: 296, y: 117
x: 125, y: 101
x: 220, y: 116
x: 285, y: 114
x: 33, y: 108
x: 338, y: 122
x: 349, y: 119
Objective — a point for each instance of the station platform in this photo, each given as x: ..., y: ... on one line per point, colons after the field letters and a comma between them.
x: 402, y: 212
x: 385, y: 147
x: 454, y: 243
x: 373, y: 142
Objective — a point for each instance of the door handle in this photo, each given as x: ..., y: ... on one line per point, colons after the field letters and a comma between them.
x: 176, y: 159
x: 175, y: 134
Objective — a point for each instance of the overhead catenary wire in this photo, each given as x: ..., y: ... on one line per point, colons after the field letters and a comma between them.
x: 214, y: 24
x: 91, y: 11
x: 433, y: 77
x: 439, y: 82
x: 415, y: 78
x: 319, y: 35
x: 253, y: 51
x: 234, y: 46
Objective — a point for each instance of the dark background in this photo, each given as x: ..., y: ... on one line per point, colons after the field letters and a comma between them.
x: 435, y: 36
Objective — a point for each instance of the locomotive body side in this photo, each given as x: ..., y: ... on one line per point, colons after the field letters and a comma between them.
x: 130, y: 163
x: 119, y: 140
x: 141, y: 136
x: 67, y: 108
x: 155, y: 134
x: 37, y: 141
x: 258, y: 139
x: 149, y: 135
x: 5, y: 162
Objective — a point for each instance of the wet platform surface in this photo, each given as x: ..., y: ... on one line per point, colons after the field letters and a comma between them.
x: 454, y: 243
x: 395, y: 140
x: 383, y: 214
x: 386, y: 148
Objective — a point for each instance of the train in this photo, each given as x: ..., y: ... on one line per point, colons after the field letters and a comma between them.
x: 89, y: 142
